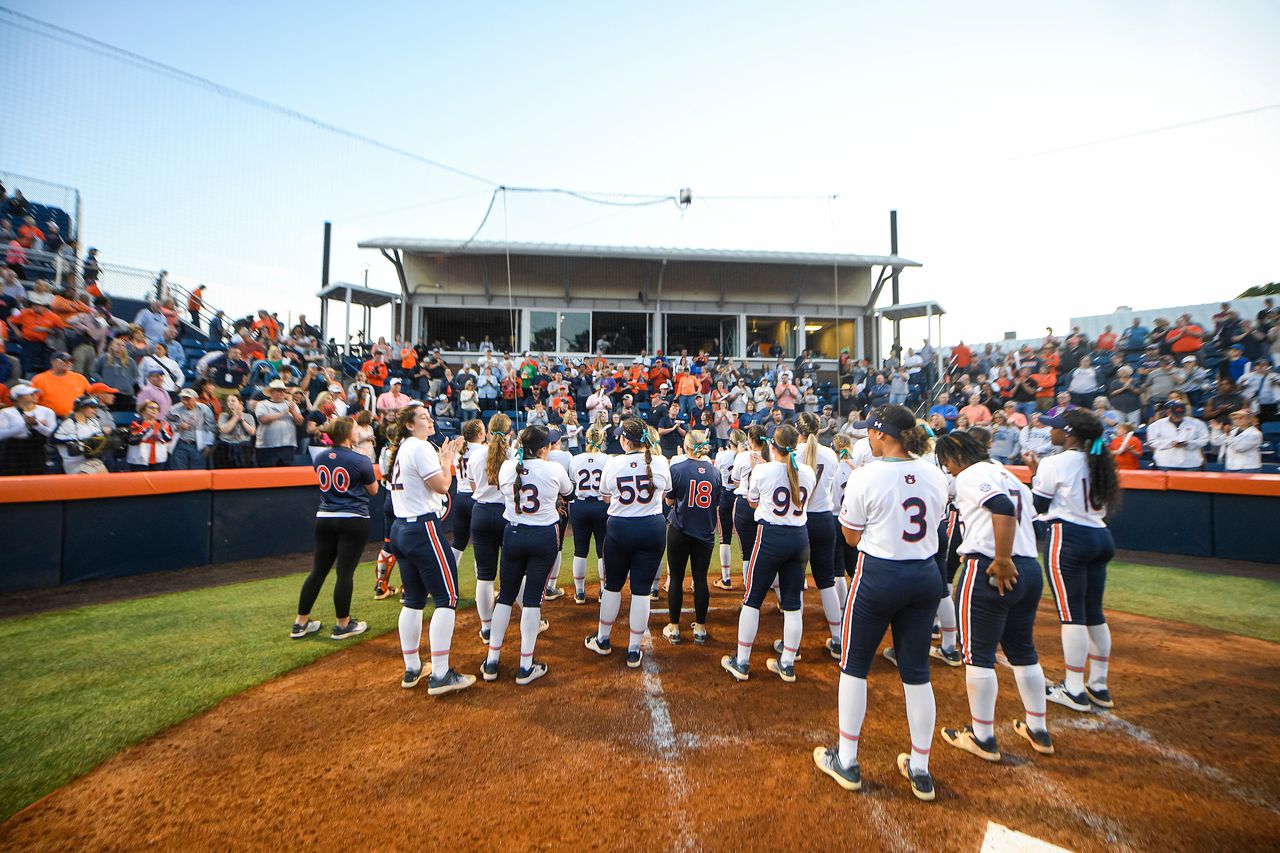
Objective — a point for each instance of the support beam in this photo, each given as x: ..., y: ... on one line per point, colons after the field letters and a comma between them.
x: 567, y: 297
x: 724, y: 283
x: 484, y: 280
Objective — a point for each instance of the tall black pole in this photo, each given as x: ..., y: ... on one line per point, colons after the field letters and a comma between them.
x: 893, y: 250
x: 324, y: 264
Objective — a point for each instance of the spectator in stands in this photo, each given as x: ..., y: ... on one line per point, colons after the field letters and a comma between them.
x: 469, y: 401
x: 1235, y: 364
x: 278, y: 418
x: 1162, y: 382
x: 173, y: 348
x: 152, y: 322
x: 1178, y: 440
x: 1084, y: 383
x: 899, y: 387
x: 1227, y: 400
x: 266, y: 327
x: 115, y: 368
x: 229, y: 372
x: 1240, y: 443
x: 1061, y: 405
x: 392, y: 400
x: 60, y: 386
x: 37, y: 324
x: 365, y: 440
x: 10, y: 366
x: 376, y: 371
x: 1012, y: 416
x: 976, y: 413
x: 1125, y: 447
x: 236, y: 429
x: 153, y: 391
x: 149, y: 439
x: 942, y: 407
x: 1036, y: 439
x: 29, y: 233
x: 25, y: 428
x: 1253, y: 342
x: 1159, y: 335
x: 195, y: 302
x: 1125, y: 395
x: 193, y: 424
x: 159, y: 357
x: 938, y: 424
x: 1185, y: 337
x: 1134, y: 338
x: 1106, y: 341
x: 1005, y: 443
x: 80, y: 439
x: 1261, y: 387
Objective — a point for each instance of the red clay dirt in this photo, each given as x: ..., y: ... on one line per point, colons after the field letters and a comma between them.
x: 677, y: 755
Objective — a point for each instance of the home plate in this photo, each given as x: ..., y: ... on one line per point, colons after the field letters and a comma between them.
x: 1002, y: 839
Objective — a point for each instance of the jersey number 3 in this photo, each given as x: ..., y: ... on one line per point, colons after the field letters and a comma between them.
x: 915, y: 508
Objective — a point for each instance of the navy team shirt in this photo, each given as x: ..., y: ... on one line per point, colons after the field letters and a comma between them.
x: 343, y: 474
x: 695, y: 487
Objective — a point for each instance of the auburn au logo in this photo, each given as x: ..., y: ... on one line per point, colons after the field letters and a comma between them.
x: 911, y: 479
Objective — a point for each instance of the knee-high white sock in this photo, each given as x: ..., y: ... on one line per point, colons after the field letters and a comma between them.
x: 748, y: 624
x: 725, y: 555
x: 554, y: 577
x: 484, y: 602
x: 580, y: 574
x: 639, y: 621
x: 842, y: 590
x: 947, y: 621
x: 1075, y: 649
x: 441, y: 634
x: 1031, y: 688
x: 831, y: 610
x: 610, y: 603
x: 853, y: 708
x: 529, y: 620
x: 520, y: 592
x: 983, y: 688
x: 792, y: 630
x: 1099, y: 654
x: 501, y: 618
x: 410, y: 637
x: 457, y: 555
x: 921, y: 715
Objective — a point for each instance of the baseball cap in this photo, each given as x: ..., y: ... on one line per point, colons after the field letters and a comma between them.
x: 397, y: 381
x: 876, y: 420
x: 153, y: 371
x: 278, y: 383
x: 188, y: 392
x: 335, y: 388
x: 22, y: 390
x: 554, y: 434
x: 1058, y: 421
x: 102, y: 388
x: 82, y: 402
x: 1176, y: 408
x: 64, y: 355
x: 1190, y: 358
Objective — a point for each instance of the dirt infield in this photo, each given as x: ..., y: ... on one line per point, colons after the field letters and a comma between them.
x: 677, y: 755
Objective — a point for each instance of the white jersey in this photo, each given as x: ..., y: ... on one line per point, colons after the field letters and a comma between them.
x: 1064, y: 479
x: 844, y: 469
x: 483, y: 491
x: 742, y: 471
x: 898, y: 507
x: 678, y: 458
x: 384, y: 464
x: 464, y: 479
x: 824, y: 468
x: 541, y: 482
x: 563, y: 458
x: 861, y: 453
x: 724, y: 464
x: 416, y: 462
x: 770, y: 490
x: 632, y: 491
x: 978, y: 484
x: 586, y: 470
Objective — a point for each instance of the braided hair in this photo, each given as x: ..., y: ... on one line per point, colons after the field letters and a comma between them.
x: 1104, y: 482
x: 961, y: 449
x: 636, y: 431
x: 807, y: 425
x: 532, y: 440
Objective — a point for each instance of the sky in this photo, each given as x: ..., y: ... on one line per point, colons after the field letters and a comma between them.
x: 827, y: 114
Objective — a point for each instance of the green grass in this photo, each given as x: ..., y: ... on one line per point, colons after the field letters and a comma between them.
x: 81, y: 685
x: 1246, y: 606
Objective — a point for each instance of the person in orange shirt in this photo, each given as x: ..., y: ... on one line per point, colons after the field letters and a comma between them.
x: 1045, y: 381
x: 266, y: 326
x: 658, y: 374
x: 195, y: 303
x: 687, y: 387
x: 1185, y: 337
x: 59, y: 386
x: 638, y: 381
x: 1049, y: 360
x: 35, y: 322
x: 1125, y: 448
x: 376, y: 371
x: 408, y: 358
x: 961, y: 357
x: 1107, y: 340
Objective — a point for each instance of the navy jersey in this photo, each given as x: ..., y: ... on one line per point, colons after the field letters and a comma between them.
x: 695, y: 487
x: 343, y: 474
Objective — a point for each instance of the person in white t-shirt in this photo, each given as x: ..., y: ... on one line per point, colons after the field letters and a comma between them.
x: 1241, y: 443
x: 744, y: 517
x: 633, y: 485
x: 1177, y: 440
x: 419, y: 483
x: 1074, y: 491
x: 891, y: 511
x: 997, y: 594
x: 779, y: 492
x: 532, y: 486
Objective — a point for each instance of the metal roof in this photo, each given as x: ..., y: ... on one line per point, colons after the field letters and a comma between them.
x: 911, y: 311
x: 430, y: 245
x: 360, y: 295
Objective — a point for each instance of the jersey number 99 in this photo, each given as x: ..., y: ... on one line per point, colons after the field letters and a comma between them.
x: 782, y: 501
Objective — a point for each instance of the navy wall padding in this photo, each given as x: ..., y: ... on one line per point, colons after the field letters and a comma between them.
x: 1244, y: 528
x: 32, y: 537
x: 115, y: 537
x: 1165, y: 522
x: 253, y: 523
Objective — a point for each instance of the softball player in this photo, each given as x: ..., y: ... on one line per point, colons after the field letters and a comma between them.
x: 822, y: 527
x: 382, y: 587
x: 563, y: 458
x: 724, y: 464
x: 778, y: 492
x: 891, y: 508
x: 342, y: 529
x: 476, y: 436
x: 744, y: 517
x: 531, y: 485
x: 948, y: 560
x: 633, y: 485
x: 846, y: 555
x: 997, y: 596
x: 588, y: 513
x: 691, y: 531
x: 487, y: 525
x: 1073, y: 491
x: 419, y: 480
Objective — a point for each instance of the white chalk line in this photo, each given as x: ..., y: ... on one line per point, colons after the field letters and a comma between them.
x: 666, y: 744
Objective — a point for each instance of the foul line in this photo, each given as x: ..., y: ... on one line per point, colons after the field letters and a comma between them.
x: 662, y: 732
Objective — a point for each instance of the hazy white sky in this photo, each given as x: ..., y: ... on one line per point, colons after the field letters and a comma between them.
x: 950, y: 113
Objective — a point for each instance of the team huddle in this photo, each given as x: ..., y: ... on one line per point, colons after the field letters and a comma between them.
x: 927, y: 538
